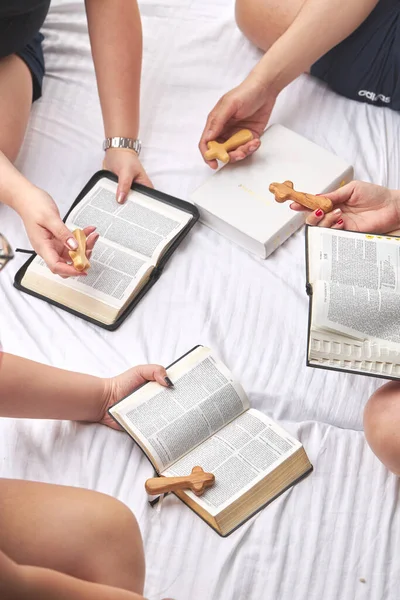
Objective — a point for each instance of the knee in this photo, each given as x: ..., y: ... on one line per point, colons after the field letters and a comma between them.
x: 253, y: 20
x: 382, y: 425
x: 245, y: 15
x: 110, y: 548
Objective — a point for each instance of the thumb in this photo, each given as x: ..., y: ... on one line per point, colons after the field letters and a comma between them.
x: 218, y: 117
x: 124, y: 185
x: 61, y: 232
x: 342, y: 194
x: 154, y: 373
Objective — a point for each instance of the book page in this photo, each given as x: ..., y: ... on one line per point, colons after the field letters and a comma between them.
x: 169, y: 422
x: 113, y: 275
x: 355, y: 259
x: 142, y: 224
x: 358, y: 312
x: 239, y: 455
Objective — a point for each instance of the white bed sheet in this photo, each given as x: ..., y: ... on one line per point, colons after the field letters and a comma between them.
x: 342, y: 523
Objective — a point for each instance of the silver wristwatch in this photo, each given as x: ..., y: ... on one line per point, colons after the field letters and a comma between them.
x: 122, y: 142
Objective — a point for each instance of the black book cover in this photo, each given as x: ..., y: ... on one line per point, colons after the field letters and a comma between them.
x: 161, y: 197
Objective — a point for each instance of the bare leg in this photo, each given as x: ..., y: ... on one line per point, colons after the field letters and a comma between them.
x: 264, y: 21
x: 382, y: 425
x: 15, y: 104
x: 85, y: 534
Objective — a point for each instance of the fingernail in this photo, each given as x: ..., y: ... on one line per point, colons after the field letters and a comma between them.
x: 121, y: 198
x: 72, y: 243
x: 168, y: 382
x: 253, y: 148
x: 209, y: 133
x: 340, y: 222
x: 319, y: 213
x: 337, y: 212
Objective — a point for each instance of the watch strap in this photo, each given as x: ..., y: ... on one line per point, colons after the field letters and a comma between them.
x: 123, y: 142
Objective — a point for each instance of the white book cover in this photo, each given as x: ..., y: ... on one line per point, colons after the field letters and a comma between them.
x: 236, y: 201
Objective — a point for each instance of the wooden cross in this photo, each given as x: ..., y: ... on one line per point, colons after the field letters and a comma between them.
x: 284, y: 191
x: 198, y: 481
x: 220, y: 151
x: 78, y: 257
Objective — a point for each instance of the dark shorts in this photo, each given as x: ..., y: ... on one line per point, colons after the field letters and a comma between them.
x: 32, y: 55
x: 366, y: 65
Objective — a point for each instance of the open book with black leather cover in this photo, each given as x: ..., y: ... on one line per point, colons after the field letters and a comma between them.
x: 353, y: 281
x: 206, y: 420
x: 136, y: 240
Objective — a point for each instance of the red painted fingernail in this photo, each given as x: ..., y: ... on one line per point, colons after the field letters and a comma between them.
x: 319, y: 213
x: 340, y: 222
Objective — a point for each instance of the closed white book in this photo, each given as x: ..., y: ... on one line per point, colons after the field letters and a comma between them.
x: 236, y: 201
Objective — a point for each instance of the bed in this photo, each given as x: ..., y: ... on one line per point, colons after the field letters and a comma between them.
x: 336, y: 534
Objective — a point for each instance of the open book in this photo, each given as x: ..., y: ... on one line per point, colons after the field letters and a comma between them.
x: 205, y: 420
x: 354, y: 285
x: 135, y: 241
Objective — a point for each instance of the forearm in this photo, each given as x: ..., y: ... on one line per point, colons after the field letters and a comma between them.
x: 319, y: 26
x: 116, y: 39
x: 15, y: 189
x: 33, y: 390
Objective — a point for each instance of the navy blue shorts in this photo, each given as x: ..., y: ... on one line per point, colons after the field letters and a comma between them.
x: 32, y: 55
x: 366, y: 65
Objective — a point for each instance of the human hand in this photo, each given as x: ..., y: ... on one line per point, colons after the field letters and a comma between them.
x: 247, y: 106
x: 116, y: 388
x: 126, y: 164
x: 50, y: 237
x: 359, y: 206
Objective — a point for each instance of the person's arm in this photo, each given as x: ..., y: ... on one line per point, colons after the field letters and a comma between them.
x: 319, y: 26
x: 32, y: 390
x: 20, y: 582
x: 115, y: 32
